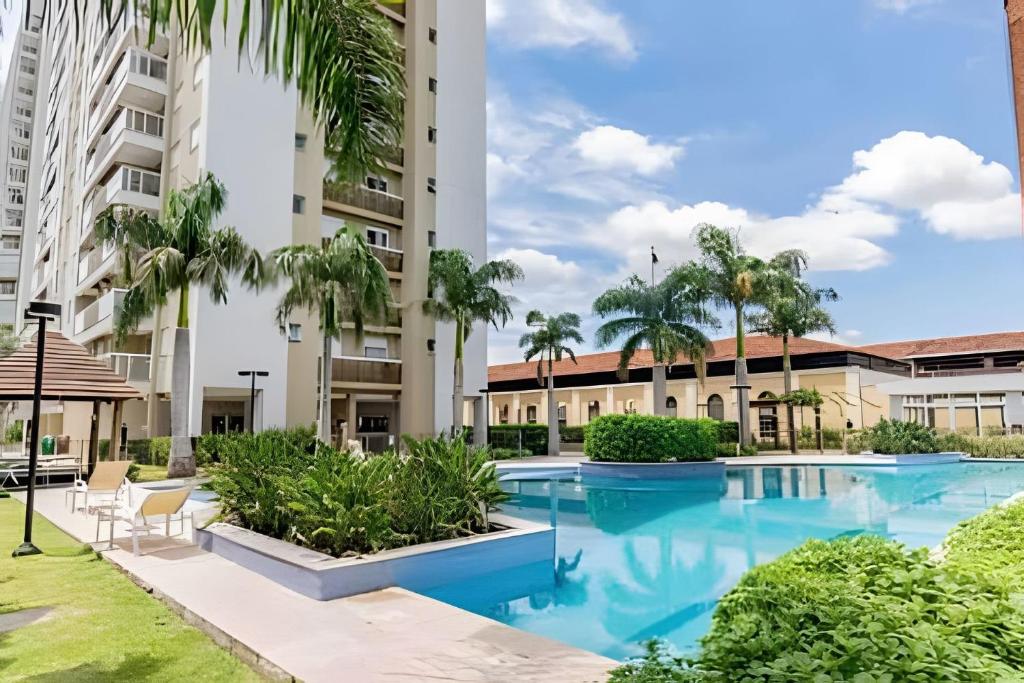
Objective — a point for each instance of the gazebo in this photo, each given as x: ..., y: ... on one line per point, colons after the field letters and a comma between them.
x: 70, y: 373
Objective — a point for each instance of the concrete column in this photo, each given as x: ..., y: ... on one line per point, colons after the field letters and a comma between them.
x: 479, y: 421
x: 609, y: 401
x: 1014, y: 410
x: 516, y: 417
x: 574, y: 415
x: 115, y: 431
x: 542, y: 410
x: 689, y: 407
x: 350, y: 417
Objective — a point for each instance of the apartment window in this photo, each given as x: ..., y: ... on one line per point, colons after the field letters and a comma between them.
x: 12, y: 242
x: 14, y: 218
x: 432, y: 35
x: 431, y: 238
x: 294, y: 332
x: 26, y: 90
x: 432, y: 185
x: 298, y: 203
x: 148, y: 65
x: 31, y: 49
x: 17, y: 174
x: 144, y: 122
x: 375, y: 350
x: 432, y: 85
x: 7, y: 287
x: 716, y: 407
x: 20, y: 132
x: 193, y: 136
x: 135, y: 180
x: 377, y: 183
x: 28, y: 66
x: 300, y: 141
x: 431, y: 134
x: 22, y: 110
x: 378, y: 237
x: 19, y: 152
x: 15, y: 195
x: 531, y: 414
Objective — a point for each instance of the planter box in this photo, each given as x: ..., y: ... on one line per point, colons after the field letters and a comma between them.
x: 322, y: 577
x: 709, y: 469
x: 915, y: 458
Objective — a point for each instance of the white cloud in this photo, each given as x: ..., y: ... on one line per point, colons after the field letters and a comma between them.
x: 500, y: 173
x: 901, y: 6
x: 609, y: 147
x: 561, y: 24
x: 952, y: 187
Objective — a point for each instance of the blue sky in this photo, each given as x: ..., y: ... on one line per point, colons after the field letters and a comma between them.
x: 876, y: 134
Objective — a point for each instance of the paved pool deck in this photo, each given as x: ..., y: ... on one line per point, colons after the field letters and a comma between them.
x: 388, y: 635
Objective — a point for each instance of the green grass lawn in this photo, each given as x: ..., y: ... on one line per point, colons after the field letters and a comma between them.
x: 103, y: 627
x: 157, y: 473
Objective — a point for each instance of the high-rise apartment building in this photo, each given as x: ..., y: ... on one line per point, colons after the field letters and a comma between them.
x: 122, y: 121
x: 17, y: 106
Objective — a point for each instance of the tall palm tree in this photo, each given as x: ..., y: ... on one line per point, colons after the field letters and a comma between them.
x: 463, y: 295
x: 666, y: 318
x: 792, y: 309
x: 550, y: 340
x: 339, y: 282
x: 341, y: 55
x: 178, y: 250
x: 736, y: 280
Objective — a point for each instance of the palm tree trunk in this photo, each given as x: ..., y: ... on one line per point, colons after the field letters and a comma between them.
x: 742, y: 388
x: 154, y: 371
x: 182, y: 461
x: 324, y: 419
x: 554, y: 442
x: 658, y: 373
x: 787, y: 384
x: 458, y: 400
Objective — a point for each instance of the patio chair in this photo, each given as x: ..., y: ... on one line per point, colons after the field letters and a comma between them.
x: 166, y: 504
x: 107, y: 478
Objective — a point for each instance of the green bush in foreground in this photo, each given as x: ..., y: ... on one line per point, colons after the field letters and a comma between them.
x: 280, y: 484
x: 896, y: 437
x: 649, y: 438
x: 984, y: 446
x: 865, y: 609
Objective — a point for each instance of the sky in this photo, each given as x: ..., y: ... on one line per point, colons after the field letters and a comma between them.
x: 877, y: 135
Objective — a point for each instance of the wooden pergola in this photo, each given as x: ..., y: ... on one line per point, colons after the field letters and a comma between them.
x: 70, y: 373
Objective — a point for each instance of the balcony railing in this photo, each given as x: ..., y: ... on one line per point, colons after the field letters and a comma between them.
x: 41, y: 275
x: 106, y: 307
x: 366, y: 370
x: 133, y: 367
x: 390, y: 258
x: 364, y: 198
x: 93, y: 261
x: 143, y: 122
x: 134, y: 61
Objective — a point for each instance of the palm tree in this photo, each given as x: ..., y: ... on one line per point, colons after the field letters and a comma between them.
x: 735, y: 280
x: 179, y: 249
x: 339, y: 282
x: 793, y: 309
x: 341, y: 55
x: 459, y: 294
x: 666, y: 318
x: 550, y: 340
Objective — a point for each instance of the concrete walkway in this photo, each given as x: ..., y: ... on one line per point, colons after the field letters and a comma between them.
x: 388, y: 635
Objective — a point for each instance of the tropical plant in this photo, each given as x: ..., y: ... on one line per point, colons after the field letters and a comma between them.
x: 896, y: 437
x: 792, y: 308
x: 550, y: 341
x: 179, y: 249
x: 462, y: 295
x: 666, y: 318
x: 338, y: 282
x: 733, y: 279
x: 650, y: 438
x: 341, y: 55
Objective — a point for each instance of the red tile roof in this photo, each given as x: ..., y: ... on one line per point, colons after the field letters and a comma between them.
x: 975, y: 343
x: 723, y: 350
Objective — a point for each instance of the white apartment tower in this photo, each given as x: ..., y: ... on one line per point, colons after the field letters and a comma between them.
x: 17, y: 107
x: 132, y: 121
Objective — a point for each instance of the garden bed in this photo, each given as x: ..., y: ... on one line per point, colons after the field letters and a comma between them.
x: 513, y: 543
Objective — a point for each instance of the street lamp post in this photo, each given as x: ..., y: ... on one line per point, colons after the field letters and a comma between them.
x: 41, y: 311
x: 252, y: 394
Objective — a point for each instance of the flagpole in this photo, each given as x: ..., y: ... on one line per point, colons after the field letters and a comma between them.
x: 654, y: 259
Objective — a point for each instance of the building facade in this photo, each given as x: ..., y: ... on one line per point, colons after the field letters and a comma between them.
x: 17, y: 111
x: 132, y: 121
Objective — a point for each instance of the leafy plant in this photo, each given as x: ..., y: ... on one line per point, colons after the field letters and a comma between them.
x: 14, y: 432
x: 504, y: 453
x: 572, y: 433
x: 1011, y: 446
x: 657, y: 665
x: 890, y: 437
x: 728, y: 431
x: 650, y: 438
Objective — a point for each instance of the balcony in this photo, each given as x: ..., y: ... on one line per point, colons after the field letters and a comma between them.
x: 390, y: 258
x: 139, y: 80
x: 134, y: 137
x: 358, y: 370
x: 364, y: 198
x: 132, y: 367
x: 97, y: 263
x: 98, y: 318
x: 133, y: 187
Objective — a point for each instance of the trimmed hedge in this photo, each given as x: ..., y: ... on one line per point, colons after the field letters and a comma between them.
x: 534, y: 437
x: 649, y: 438
x: 571, y: 434
x: 728, y: 431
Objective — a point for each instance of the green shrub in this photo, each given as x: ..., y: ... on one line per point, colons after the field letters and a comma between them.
x: 504, y: 453
x: 650, y: 438
x: 991, y: 544
x: 728, y: 431
x: 749, y: 449
x: 14, y: 432
x: 657, y: 665
x: 983, y: 446
x: 857, y: 441
x: 899, y: 437
x: 571, y: 434
x: 280, y: 484
x: 133, y: 472
x: 726, y: 450
x: 830, y: 438
x: 533, y: 438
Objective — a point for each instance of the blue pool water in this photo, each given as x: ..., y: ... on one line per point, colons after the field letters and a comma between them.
x: 637, y: 560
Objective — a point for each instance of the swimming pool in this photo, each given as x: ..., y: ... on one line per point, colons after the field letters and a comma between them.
x: 637, y: 560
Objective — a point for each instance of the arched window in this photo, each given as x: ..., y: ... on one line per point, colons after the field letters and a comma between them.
x: 630, y: 406
x: 716, y: 407
x: 593, y: 410
x: 767, y: 396
x: 503, y: 417
x: 671, y: 407
x: 531, y: 414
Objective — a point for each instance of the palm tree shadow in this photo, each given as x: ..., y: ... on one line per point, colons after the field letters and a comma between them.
x: 131, y: 668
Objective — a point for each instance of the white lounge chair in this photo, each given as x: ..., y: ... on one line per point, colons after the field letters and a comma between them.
x: 107, y: 479
x: 166, y: 504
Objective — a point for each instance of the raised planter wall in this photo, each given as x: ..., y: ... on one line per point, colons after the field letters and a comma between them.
x: 915, y: 458
x: 654, y: 470
x: 416, y: 568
